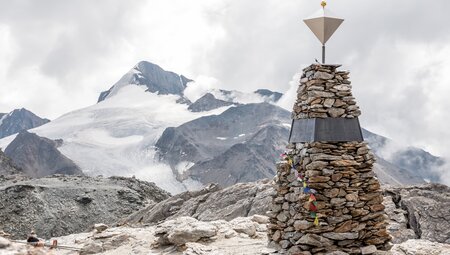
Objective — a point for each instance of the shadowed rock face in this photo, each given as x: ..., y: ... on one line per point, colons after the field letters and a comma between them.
x: 19, y: 120
x: 7, y: 166
x: 153, y: 77
x: 207, y: 103
x: 61, y: 205
x: 419, y: 212
x: 38, y: 156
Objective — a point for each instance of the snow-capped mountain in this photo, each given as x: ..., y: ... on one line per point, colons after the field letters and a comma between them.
x: 228, y: 148
x: 143, y: 127
x: 18, y: 120
x: 153, y: 78
x: 117, y: 135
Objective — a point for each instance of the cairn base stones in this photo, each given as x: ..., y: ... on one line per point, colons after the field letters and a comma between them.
x: 327, y: 196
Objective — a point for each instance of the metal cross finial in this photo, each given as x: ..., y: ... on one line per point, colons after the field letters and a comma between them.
x: 323, y: 24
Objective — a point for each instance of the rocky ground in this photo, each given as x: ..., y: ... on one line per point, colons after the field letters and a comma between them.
x: 188, y: 236
x: 414, y: 212
x: 61, y: 205
x: 210, y: 221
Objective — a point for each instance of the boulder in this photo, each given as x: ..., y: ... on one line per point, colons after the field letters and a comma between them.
x: 420, y: 247
x: 4, y: 243
x: 425, y: 209
x: 184, y: 230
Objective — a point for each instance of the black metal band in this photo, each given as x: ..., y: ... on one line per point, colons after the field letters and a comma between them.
x: 326, y: 130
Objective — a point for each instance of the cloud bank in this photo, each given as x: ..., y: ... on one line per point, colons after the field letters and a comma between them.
x: 57, y: 56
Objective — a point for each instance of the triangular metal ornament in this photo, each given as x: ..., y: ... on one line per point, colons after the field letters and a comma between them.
x: 323, y: 24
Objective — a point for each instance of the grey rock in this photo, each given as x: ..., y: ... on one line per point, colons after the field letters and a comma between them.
x: 184, y: 230
x: 38, y: 156
x: 4, y: 243
x: 336, y: 253
x: 426, y: 208
x: 91, y: 248
x: 315, y: 240
x: 51, y: 206
x: 371, y: 249
x: 19, y: 120
x: 336, y: 112
x: 323, y: 76
x: 211, y: 203
x: 242, y: 225
x: 100, y: 227
x: 341, y: 236
x: 420, y: 247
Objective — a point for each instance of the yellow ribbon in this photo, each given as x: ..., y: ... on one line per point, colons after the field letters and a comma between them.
x: 316, y: 221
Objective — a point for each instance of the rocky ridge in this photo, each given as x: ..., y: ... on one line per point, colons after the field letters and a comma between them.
x: 38, y: 156
x: 244, y: 200
x: 207, y: 103
x: 209, y: 204
x: 61, y: 205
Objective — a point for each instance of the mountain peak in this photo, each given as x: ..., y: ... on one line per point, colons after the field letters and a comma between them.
x: 153, y: 77
x: 19, y: 120
x: 208, y: 102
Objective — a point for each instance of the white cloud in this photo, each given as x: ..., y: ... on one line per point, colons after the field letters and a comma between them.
x: 56, y: 56
x: 200, y: 86
x: 290, y: 96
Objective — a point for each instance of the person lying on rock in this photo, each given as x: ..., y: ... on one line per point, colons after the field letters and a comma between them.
x: 33, y: 240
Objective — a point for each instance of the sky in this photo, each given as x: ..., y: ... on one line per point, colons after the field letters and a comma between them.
x: 57, y: 56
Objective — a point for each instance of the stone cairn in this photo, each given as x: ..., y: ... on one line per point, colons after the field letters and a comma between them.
x: 327, y: 196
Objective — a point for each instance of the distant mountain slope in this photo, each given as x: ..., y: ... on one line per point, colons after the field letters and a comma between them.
x: 420, y: 163
x: 244, y: 162
x: 207, y: 103
x: 243, y: 143
x: 18, y: 120
x: 153, y: 78
x: 39, y: 157
x: 210, y: 136
x: 145, y: 117
x: 270, y: 95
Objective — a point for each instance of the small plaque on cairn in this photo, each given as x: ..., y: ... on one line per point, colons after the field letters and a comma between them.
x: 327, y: 196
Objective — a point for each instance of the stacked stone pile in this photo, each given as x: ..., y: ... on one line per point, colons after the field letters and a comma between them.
x: 325, y: 92
x: 327, y: 196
